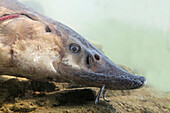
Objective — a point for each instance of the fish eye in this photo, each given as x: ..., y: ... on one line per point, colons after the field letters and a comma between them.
x: 75, y: 48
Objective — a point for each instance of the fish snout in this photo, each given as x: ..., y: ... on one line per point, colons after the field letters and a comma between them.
x: 142, y: 82
x: 125, y: 82
x: 105, y: 72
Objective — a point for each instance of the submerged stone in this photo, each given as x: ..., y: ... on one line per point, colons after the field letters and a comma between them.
x: 75, y: 97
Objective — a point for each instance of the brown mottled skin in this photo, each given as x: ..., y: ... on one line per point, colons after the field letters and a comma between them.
x: 37, y: 47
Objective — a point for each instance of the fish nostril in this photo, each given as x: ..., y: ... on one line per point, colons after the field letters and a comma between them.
x: 47, y: 29
x: 97, y: 57
x: 88, y: 61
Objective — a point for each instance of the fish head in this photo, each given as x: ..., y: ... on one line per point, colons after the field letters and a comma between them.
x: 72, y: 57
x: 84, y: 64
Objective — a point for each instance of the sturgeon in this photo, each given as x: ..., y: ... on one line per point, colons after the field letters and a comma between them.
x: 38, y: 48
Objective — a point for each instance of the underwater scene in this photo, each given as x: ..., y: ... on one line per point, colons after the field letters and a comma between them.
x: 134, y: 35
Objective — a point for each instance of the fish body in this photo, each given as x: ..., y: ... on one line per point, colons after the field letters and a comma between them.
x: 37, y: 47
